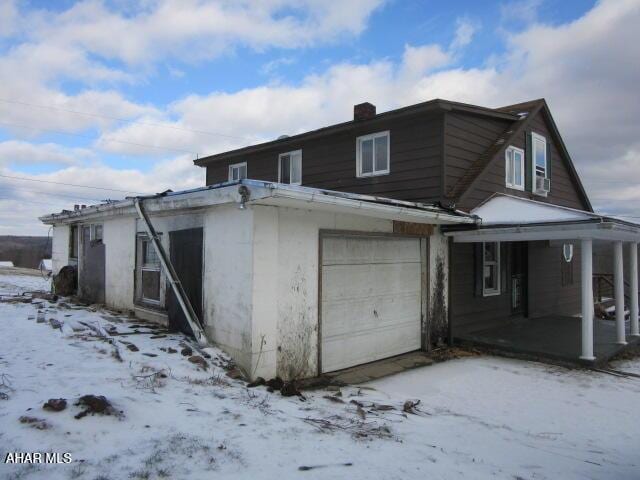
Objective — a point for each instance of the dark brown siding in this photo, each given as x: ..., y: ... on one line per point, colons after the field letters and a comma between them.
x: 467, y: 137
x: 546, y: 293
x: 563, y: 189
x: 330, y: 162
x: 469, y: 311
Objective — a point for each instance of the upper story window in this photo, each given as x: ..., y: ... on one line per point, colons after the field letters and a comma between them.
x: 514, y: 159
x: 490, y: 268
x: 237, y: 171
x: 540, y: 164
x: 372, y: 154
x: 290, y: 167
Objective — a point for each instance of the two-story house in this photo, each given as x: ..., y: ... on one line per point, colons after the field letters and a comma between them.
x: 385, y: 234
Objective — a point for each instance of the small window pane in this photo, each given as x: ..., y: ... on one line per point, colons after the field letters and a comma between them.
x: 509, y: 167
x: 490, y: 277
x: 541, y: 154
x: 367, y: 156
x: 150, y: 256
x: 381, y: 153
x: 151, y: 284
x: 490, y: 252
x: 97, y: 233
x: 285, y: 169
x: 517, y: 169
x: 296, y: 168
x: 242, y: 172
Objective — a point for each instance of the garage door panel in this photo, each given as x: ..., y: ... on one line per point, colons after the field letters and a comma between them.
x: 355, y: 250
x: 353, y: 282
x: 345, y: 351
x: 371, y: 299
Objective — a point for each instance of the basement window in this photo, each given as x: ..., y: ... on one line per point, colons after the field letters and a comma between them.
x: 514, y: 160
x: 148, y: 272
x: 290, y: 167
x: 237, y: 171
x: 490, y: 268
x: 73, y: 241
x: 372, y: 154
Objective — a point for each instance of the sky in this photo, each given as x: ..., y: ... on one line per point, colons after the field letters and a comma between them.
x: 122, y: 96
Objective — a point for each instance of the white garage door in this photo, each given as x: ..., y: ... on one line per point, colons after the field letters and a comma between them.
x: 371, y: 299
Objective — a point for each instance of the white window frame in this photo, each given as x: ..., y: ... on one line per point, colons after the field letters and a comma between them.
x: 536, y: 136
x: 508, y: 181
x: 493, y: 291
x: 236, y: 166
x: 298, y: 155
x: 142, y: 267
x: 372, y: 136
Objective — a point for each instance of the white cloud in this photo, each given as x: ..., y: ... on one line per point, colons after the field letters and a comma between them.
x: 16, y: 152
x: 465, y: 30
x: 587, y: 70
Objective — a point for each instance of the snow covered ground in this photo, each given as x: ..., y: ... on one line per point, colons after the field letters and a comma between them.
x: 478, y: 417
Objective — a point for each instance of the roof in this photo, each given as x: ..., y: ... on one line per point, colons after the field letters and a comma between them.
x: 258, y: 192
x: 510, y: 218
x: 431, y: 105
x: 6, y: 264
x: 524, y: 113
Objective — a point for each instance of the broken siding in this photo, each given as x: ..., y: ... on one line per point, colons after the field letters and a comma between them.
x: 330, y: 162
x: 563, y: 192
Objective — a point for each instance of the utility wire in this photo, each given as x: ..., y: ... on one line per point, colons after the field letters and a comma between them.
x: 29, y: 127
x: 121, y: 119
x: 69, y: 184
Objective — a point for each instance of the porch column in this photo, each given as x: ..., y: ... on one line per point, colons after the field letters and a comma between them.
x: 633, y: 288
x: 586, y: 261
x: 618, y: 286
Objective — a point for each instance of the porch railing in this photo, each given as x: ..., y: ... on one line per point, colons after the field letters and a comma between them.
x: 603, y: 287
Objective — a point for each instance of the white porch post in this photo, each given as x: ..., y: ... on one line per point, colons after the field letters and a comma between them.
x: 618, y: 285
x: 633, y: 289
x: 586, y: 261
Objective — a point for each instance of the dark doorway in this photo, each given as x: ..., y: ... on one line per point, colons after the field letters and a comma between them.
x: 92, y: 267
x: 186, y: 257
x: 519, y: 274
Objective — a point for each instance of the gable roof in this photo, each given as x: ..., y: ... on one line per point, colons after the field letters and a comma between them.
x: 524, y: 112
x: 429, y: 106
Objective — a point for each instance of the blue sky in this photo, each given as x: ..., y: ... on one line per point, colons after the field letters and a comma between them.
x: 138, y: 92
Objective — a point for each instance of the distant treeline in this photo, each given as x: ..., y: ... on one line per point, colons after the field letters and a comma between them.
x: 24, y: 251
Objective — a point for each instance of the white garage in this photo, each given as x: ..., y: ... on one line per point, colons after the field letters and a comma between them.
x: 371, y: 298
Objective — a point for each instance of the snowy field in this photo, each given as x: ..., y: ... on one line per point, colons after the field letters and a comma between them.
x: 478, y: 417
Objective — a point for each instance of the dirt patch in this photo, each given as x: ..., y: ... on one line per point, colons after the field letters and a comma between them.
x: 199, y: 361
x: 34, y: 422
x: 55, y: 404
x: 95, y: 404
x: 450, y: 353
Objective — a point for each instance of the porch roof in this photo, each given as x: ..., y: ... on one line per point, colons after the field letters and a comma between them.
x: 509, y: 218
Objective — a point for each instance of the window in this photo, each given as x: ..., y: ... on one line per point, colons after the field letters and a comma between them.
x: 372, y: 154
x: 491, y: 268
x: 148, y: 274
x: 290, y: 167
x: 515, y: 168
x: 96, y: 233
x: 539, y: 164
x: 237, y: 171
x: 73, y: 241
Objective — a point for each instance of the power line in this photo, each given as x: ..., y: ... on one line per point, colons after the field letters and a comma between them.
x: 29, y: 127
x: 69, y: 184
x: 121, y: 119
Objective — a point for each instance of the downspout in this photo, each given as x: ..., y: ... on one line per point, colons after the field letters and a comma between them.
x: 176, y: 286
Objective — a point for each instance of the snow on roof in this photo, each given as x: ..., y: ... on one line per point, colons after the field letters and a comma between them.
x: 509, y: 210
x: 46, y: 263
x: 6, y: 264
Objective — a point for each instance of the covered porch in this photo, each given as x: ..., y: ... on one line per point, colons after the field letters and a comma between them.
x: 579, y: 338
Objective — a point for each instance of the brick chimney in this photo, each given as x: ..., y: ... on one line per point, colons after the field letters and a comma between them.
x: 364, y: 111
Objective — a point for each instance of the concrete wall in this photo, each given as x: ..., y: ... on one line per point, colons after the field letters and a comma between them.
x: 59, y: 247
x: 438, y: 278
x: 119, y: 238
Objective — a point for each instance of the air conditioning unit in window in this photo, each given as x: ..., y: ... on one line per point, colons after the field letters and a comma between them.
x: 543, y: 184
